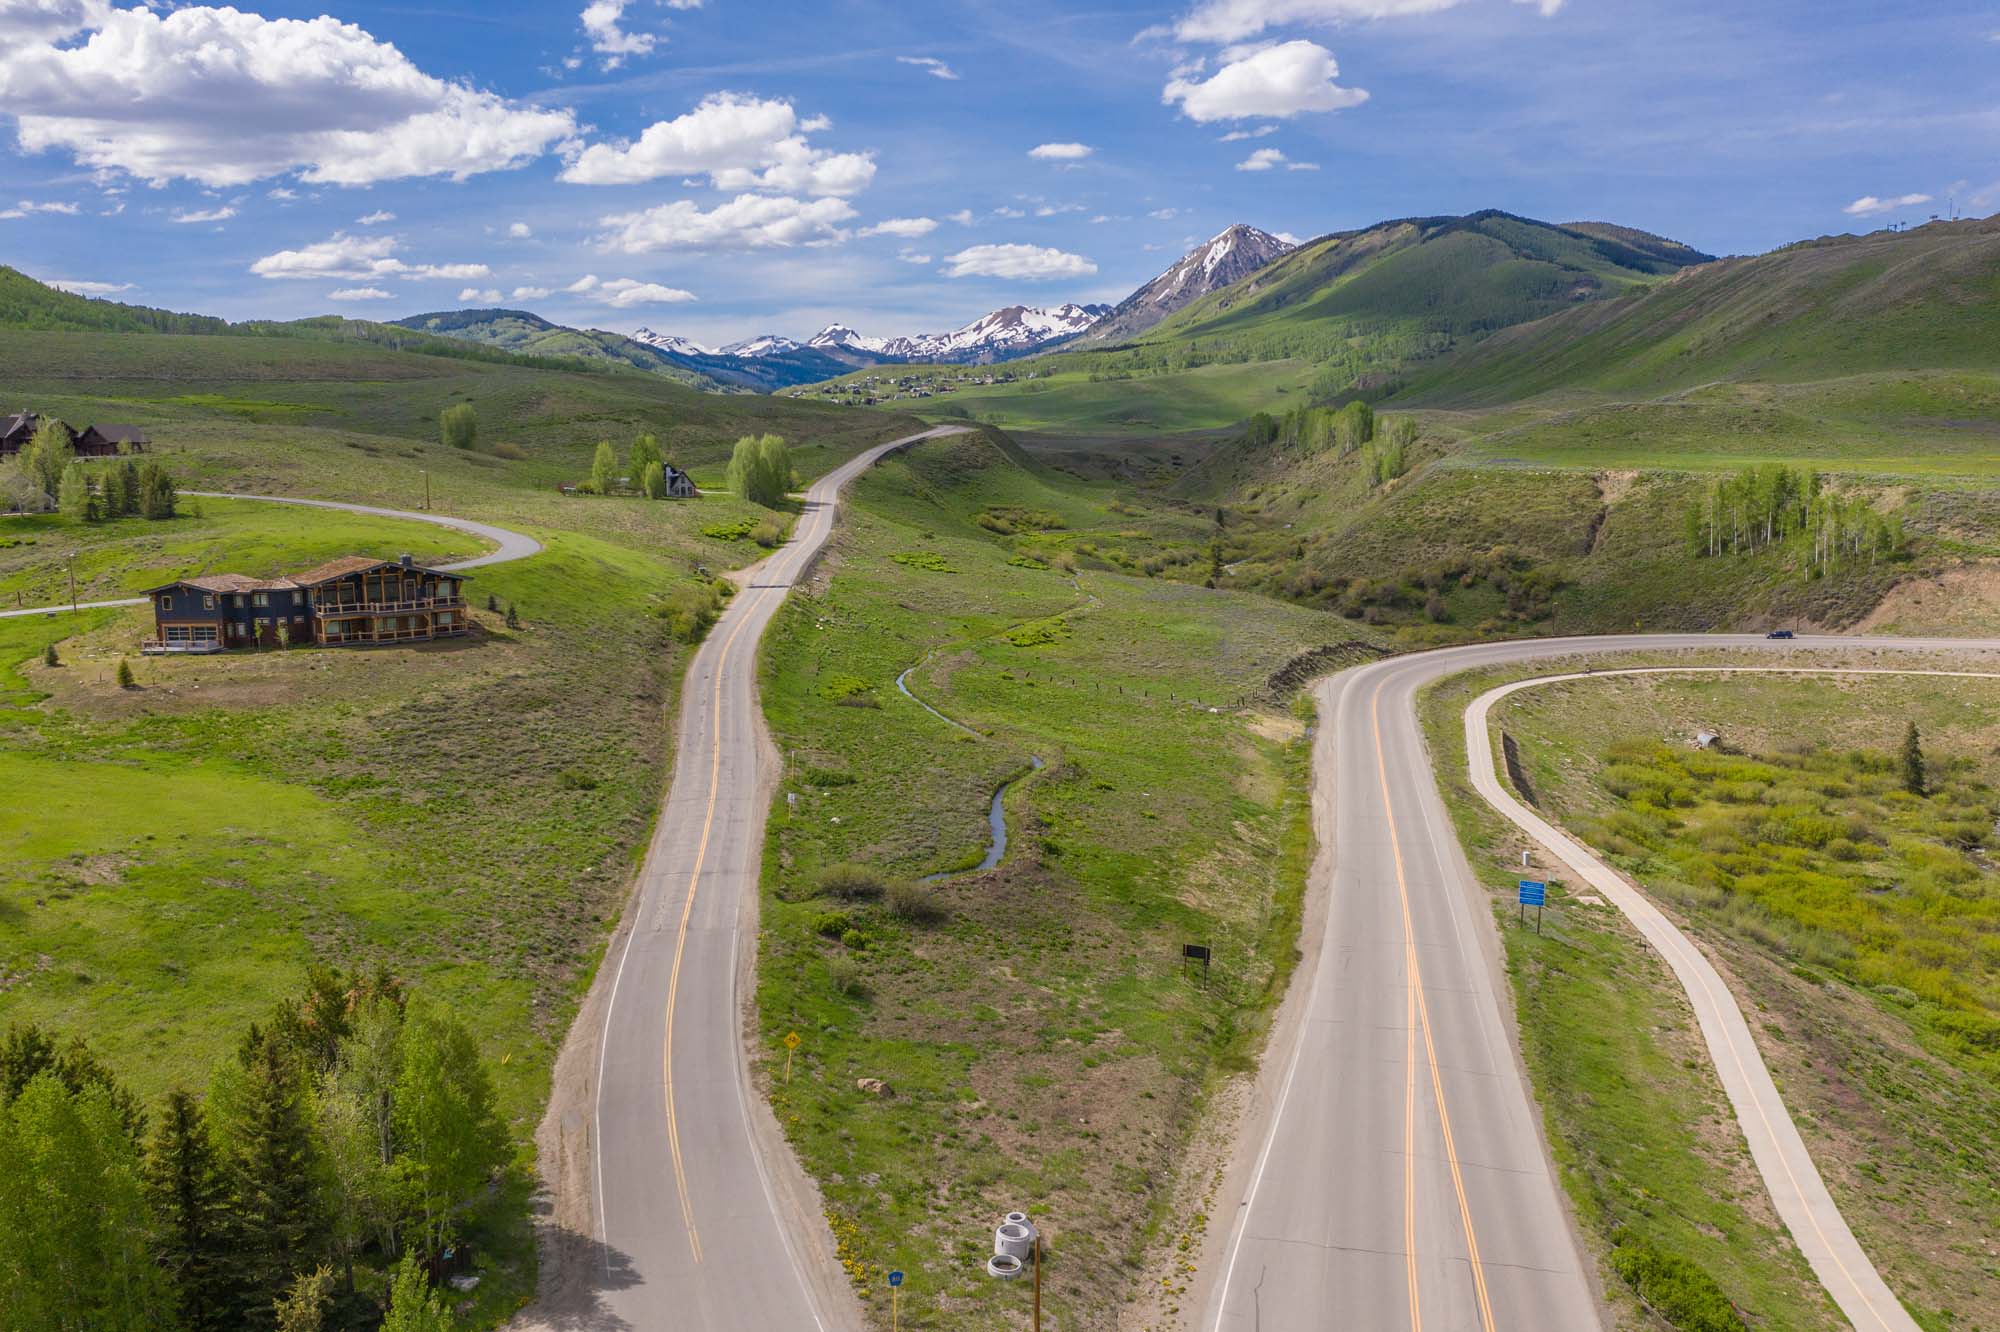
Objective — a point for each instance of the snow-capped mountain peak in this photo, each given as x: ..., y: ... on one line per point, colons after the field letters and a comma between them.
x: 1229, y: 256
x: 764, y: 344
x: 669, y: 342
x: 840, y: 335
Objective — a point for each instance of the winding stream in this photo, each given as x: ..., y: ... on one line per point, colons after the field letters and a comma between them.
x: 996, y: 814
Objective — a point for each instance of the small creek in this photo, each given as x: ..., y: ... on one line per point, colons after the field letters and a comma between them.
x: 996, y: 814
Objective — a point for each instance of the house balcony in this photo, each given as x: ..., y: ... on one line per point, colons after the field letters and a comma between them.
x: 338, y: 608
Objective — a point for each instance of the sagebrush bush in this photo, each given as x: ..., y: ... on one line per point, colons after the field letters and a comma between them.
x: 916, y: 903
x: 1677, y: 1289
x: 844, y: 974
x: 849, y: 883
x: 768, y: 534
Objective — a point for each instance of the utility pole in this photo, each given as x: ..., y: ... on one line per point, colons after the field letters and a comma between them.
x: 72, y: 582
x: 1038, y: 1279
x: 427, y: 488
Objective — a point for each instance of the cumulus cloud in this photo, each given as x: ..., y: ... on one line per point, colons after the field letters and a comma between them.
x: 1061, y: 152
x: 601, y: 20
x: 222, y: 214
x: 626, y: 293
x: 1238, y: 136
x: 1264, y: 159
x: 963, y: 217
x: 345, y: 256
x: 520, y: 231
x: 747, y: 222
x: 530, y: 293
x: 28, y: 206
x: 913, y: 257
x: 1868, y: 205
x: 931, y: 65
x: 909, y: 228
x: 1279, y: 81
x: 740, y: 143
x: 47, y: 20
x: 376, y: 218
x: 1025, y: 262
x: 222, y: 97
x: 357, y: 294
x: 1234, y: 20
x: 475, y: 296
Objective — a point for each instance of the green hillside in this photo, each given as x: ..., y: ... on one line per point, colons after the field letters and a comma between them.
x: 1927, y: 299
x: 523, y: 332
x: 26, y: 303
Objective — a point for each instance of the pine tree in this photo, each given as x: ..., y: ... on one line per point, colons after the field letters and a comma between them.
x: 304, y: 1307
x: 125, y: 680
x: 413, y: 1306
x: 1914, y: 777
x: 49, y: 657
x: 513, y: 620
x: 273, y: 1170
x: 184, y: 1188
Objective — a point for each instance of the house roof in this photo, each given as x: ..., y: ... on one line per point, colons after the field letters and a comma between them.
x: 229, y: 582
x: 18, y: 421
x: 135, y: 434
x: 354, y: 564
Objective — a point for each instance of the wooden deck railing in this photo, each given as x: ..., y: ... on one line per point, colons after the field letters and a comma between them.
x: 388, y: 607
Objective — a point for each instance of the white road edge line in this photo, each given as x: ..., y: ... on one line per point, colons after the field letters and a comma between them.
x: 1815, y: 1222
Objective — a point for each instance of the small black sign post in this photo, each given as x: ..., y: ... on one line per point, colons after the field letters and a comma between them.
x: 1196, y: 953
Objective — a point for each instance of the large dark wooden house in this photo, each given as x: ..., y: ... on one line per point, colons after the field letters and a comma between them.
x: 98, y: 441
x: 351, y: 600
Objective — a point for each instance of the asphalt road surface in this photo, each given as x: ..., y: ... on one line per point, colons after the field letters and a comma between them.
x: 1403, y: 1182
x: 506, y: 545
x: 693, y: 1234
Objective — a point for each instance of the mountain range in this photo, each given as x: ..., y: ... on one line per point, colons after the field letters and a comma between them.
x: 1224, y: 259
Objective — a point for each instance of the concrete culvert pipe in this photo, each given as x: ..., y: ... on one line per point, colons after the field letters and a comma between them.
x: 1003, y: 1266
x: 1013, y: 1240
x: 1020, y: 1219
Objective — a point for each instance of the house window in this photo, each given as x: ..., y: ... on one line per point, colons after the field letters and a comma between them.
x: 298, y: 619
x: 263, y: 622
x: 208, y: 601
x: 298, y: 598
x: 167, y: 604
x: 237, y: 601
x: 261, y: 599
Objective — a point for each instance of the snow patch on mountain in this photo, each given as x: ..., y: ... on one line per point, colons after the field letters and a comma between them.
x: 672, y: 343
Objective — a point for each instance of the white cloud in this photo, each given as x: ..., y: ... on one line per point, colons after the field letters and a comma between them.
x: 222, y: 214
x: 1027, y: 262
x: 1238, y: 136
x: 1279, y: 81
x: 474, y: 296
x: 376, y: 218
x: 1261, y: 160
x: 358, y: 294
x: 909, y: 228
x: 1234, y: 20
x: 280, y: 193
x: 1004, y: 211
x: 627, y: 293
x: 1288, y: 238
x: 740, y: 143
x: 87, y: 288
x: 747, y: 222
x: 520, y: 231
x: 29, y: 206
x: 345, y: 256
x: 1061, y: 152
x: 912, y: 257
x: 24, y: 21
x: 529, y: 293
x: 223, y: 97
x: 1056, y: 210
x: 1868, y: 205
x: 963, y: 217
x: 601, y: 19
x: 1164, y: 214
x: 931, y: 65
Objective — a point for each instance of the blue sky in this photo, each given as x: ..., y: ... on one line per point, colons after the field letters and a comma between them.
x: 719, y: 168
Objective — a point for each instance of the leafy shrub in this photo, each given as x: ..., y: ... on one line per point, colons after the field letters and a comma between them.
x: 916, y: 903
x: 849, y: 883
x: 827, y: 777
x: 844, y: 974
x: 735, y: 531
x: 832, y: 924
x: 1039, y: 633
x: 838, y: 687
x: 459, y: 426
x: 692, y: 609
x: 929, y: 561
x: 1672, y: 1286
x: 511, y: 451
x: 853, y: 939
x: 768, y: 534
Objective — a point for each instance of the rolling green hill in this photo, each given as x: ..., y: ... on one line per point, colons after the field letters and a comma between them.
x: 530, y: 334
x: 26, y: 303
x: 1927, y: 299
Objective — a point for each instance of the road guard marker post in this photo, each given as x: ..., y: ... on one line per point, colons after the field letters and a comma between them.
x: 791, y: 1047
x: 895, y: 1289
x: 1533, y: 894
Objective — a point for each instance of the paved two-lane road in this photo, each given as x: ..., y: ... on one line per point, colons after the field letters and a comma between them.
x: 1402, y: 1182
x: 694, y: 1233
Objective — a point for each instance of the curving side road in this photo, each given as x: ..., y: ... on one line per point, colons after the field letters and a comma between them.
x: 700, y: 1214
x: 1399, y: 1178
x: 1797, y: 1191
x: 507, y: 545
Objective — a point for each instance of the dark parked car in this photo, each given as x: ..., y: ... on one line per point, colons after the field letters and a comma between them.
x: 1779, y: 633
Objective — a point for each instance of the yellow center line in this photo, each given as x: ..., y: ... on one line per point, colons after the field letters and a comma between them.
x: 1410, y: 1144
x: 680, y: 941
x: 1416, y: 986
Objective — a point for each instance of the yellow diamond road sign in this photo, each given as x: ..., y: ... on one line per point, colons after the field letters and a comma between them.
x: 791, y: 1040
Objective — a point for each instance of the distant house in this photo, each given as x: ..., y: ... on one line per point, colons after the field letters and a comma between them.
x: 18, y: 430
x: 679, y: 484
x: 351, y: 600
x: 108, y: 441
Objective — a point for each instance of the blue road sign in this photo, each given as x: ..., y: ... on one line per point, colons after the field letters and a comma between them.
x: 895, y: 1278
x: 1533, y: 893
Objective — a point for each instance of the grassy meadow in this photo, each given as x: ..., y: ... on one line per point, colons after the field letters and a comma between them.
x: 1041, y: 1046
x: 467, y: 814
x: 1855, y: 922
